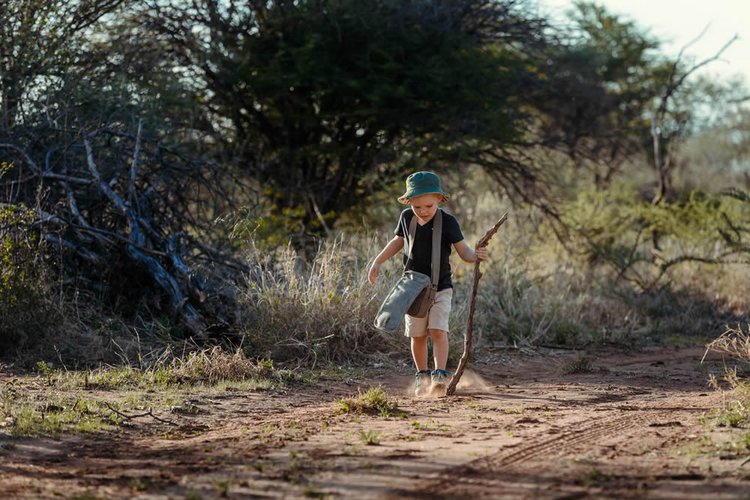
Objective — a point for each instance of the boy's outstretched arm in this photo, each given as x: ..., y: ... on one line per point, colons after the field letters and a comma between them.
x: 468, y: 254
x: 389, y: 250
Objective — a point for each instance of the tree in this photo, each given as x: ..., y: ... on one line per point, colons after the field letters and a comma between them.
x: 315, y: 96
x: 597, y: 85
x: 39, y: 41
x: 716, y: 154
x: 669, y: 122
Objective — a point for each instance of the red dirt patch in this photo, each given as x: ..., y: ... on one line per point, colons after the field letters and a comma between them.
x: 519, y: 426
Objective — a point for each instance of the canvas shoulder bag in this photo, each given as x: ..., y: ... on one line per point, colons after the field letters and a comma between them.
x: 397, y: 302
x: 414, y: 292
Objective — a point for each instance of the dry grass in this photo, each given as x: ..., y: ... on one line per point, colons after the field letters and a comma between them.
x: 215, y: 365
x: 578, y: 365
x: 58, y: 404
x: 734, y: 341
x: 319, y: 310
x: 533, y: 291
x: 315, y: 312
x: 735, y: 410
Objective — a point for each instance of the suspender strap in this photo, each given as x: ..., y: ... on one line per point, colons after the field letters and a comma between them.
x: 437, y: 232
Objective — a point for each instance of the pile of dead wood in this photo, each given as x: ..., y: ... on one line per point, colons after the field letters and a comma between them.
x: 121, y: 214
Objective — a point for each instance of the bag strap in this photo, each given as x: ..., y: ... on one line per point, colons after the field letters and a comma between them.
x: 437, y: 233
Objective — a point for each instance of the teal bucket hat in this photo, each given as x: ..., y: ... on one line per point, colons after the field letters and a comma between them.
x: 420, y: 183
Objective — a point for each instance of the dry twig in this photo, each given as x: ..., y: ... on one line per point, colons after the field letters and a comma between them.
x: 149, y: 413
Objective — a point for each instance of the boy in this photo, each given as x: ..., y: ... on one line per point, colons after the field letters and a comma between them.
x: 424, y: 193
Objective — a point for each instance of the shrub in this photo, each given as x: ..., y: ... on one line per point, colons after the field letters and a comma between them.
x: 26, y: 312
x: 643, y: 242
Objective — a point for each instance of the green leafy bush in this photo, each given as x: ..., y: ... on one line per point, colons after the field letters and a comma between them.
x: 642, y: 242
x: 25, y: 310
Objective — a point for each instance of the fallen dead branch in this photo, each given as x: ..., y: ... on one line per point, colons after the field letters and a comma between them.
x: 122, y: 217
x: 483, y: 241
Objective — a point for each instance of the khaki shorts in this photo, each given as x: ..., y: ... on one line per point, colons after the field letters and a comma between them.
x: 436, y: 319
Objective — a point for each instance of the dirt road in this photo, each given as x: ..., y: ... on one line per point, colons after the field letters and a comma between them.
x: 523, y: 424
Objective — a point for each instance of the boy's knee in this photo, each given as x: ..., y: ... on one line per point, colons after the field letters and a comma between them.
x: 437, y: 334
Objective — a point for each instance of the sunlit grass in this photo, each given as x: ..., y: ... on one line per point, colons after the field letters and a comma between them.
x: 95, y: 400
x: 734, y: 412
x: 374, y: 401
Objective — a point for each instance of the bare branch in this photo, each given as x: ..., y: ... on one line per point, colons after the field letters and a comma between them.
x: 657, y: 122
x: 149, y: 413
x: 39, y: 172
x: 133, y: 199
x: 179, y: 303
x: 103, y: 186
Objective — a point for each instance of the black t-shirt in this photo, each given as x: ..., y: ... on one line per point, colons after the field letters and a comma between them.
x: 422, y: 252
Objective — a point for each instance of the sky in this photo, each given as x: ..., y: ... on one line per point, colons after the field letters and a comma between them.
x: 677, y: 22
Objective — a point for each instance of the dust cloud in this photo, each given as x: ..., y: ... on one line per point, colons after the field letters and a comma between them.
x: 470, y: 382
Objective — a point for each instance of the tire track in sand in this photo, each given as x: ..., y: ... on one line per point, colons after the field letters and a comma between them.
x: 582, y: 435
x: 615, y: 424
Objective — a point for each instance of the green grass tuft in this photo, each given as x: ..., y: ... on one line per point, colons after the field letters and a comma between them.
x: 374, y: 401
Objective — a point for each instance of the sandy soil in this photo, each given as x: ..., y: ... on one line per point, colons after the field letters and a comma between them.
x: 519, y: 426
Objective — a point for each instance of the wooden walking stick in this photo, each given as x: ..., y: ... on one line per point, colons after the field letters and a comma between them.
x: 483, y: 241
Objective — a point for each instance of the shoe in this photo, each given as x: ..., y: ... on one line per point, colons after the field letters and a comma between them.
x: 422, y: 382
x: 440, y: 380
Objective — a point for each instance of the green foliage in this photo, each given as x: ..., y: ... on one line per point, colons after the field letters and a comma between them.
x: 212, y: 367
x: 261, y: 227
x: 17, y: 250
x: 600, y: 88
x: 320, y: 98
x: 604, y: 279
x: 735, y: 410
x: 370, y: 438
x: 40, y: 41
x: 642, y: 241
x: 734, y: 414
x: 26, y: 311
x: 54, y: 416
x: 695, y: 221
x: 374, y: 401
x: 60, y: 408
x: 46, y: 370
x: 322, y: 103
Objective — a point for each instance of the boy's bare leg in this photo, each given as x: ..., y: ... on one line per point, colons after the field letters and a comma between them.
x: 439, y: 347
x: 440, y: 353
x: 419, y: 352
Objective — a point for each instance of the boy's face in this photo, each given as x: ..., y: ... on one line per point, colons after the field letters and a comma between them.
x: 425, y: 206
